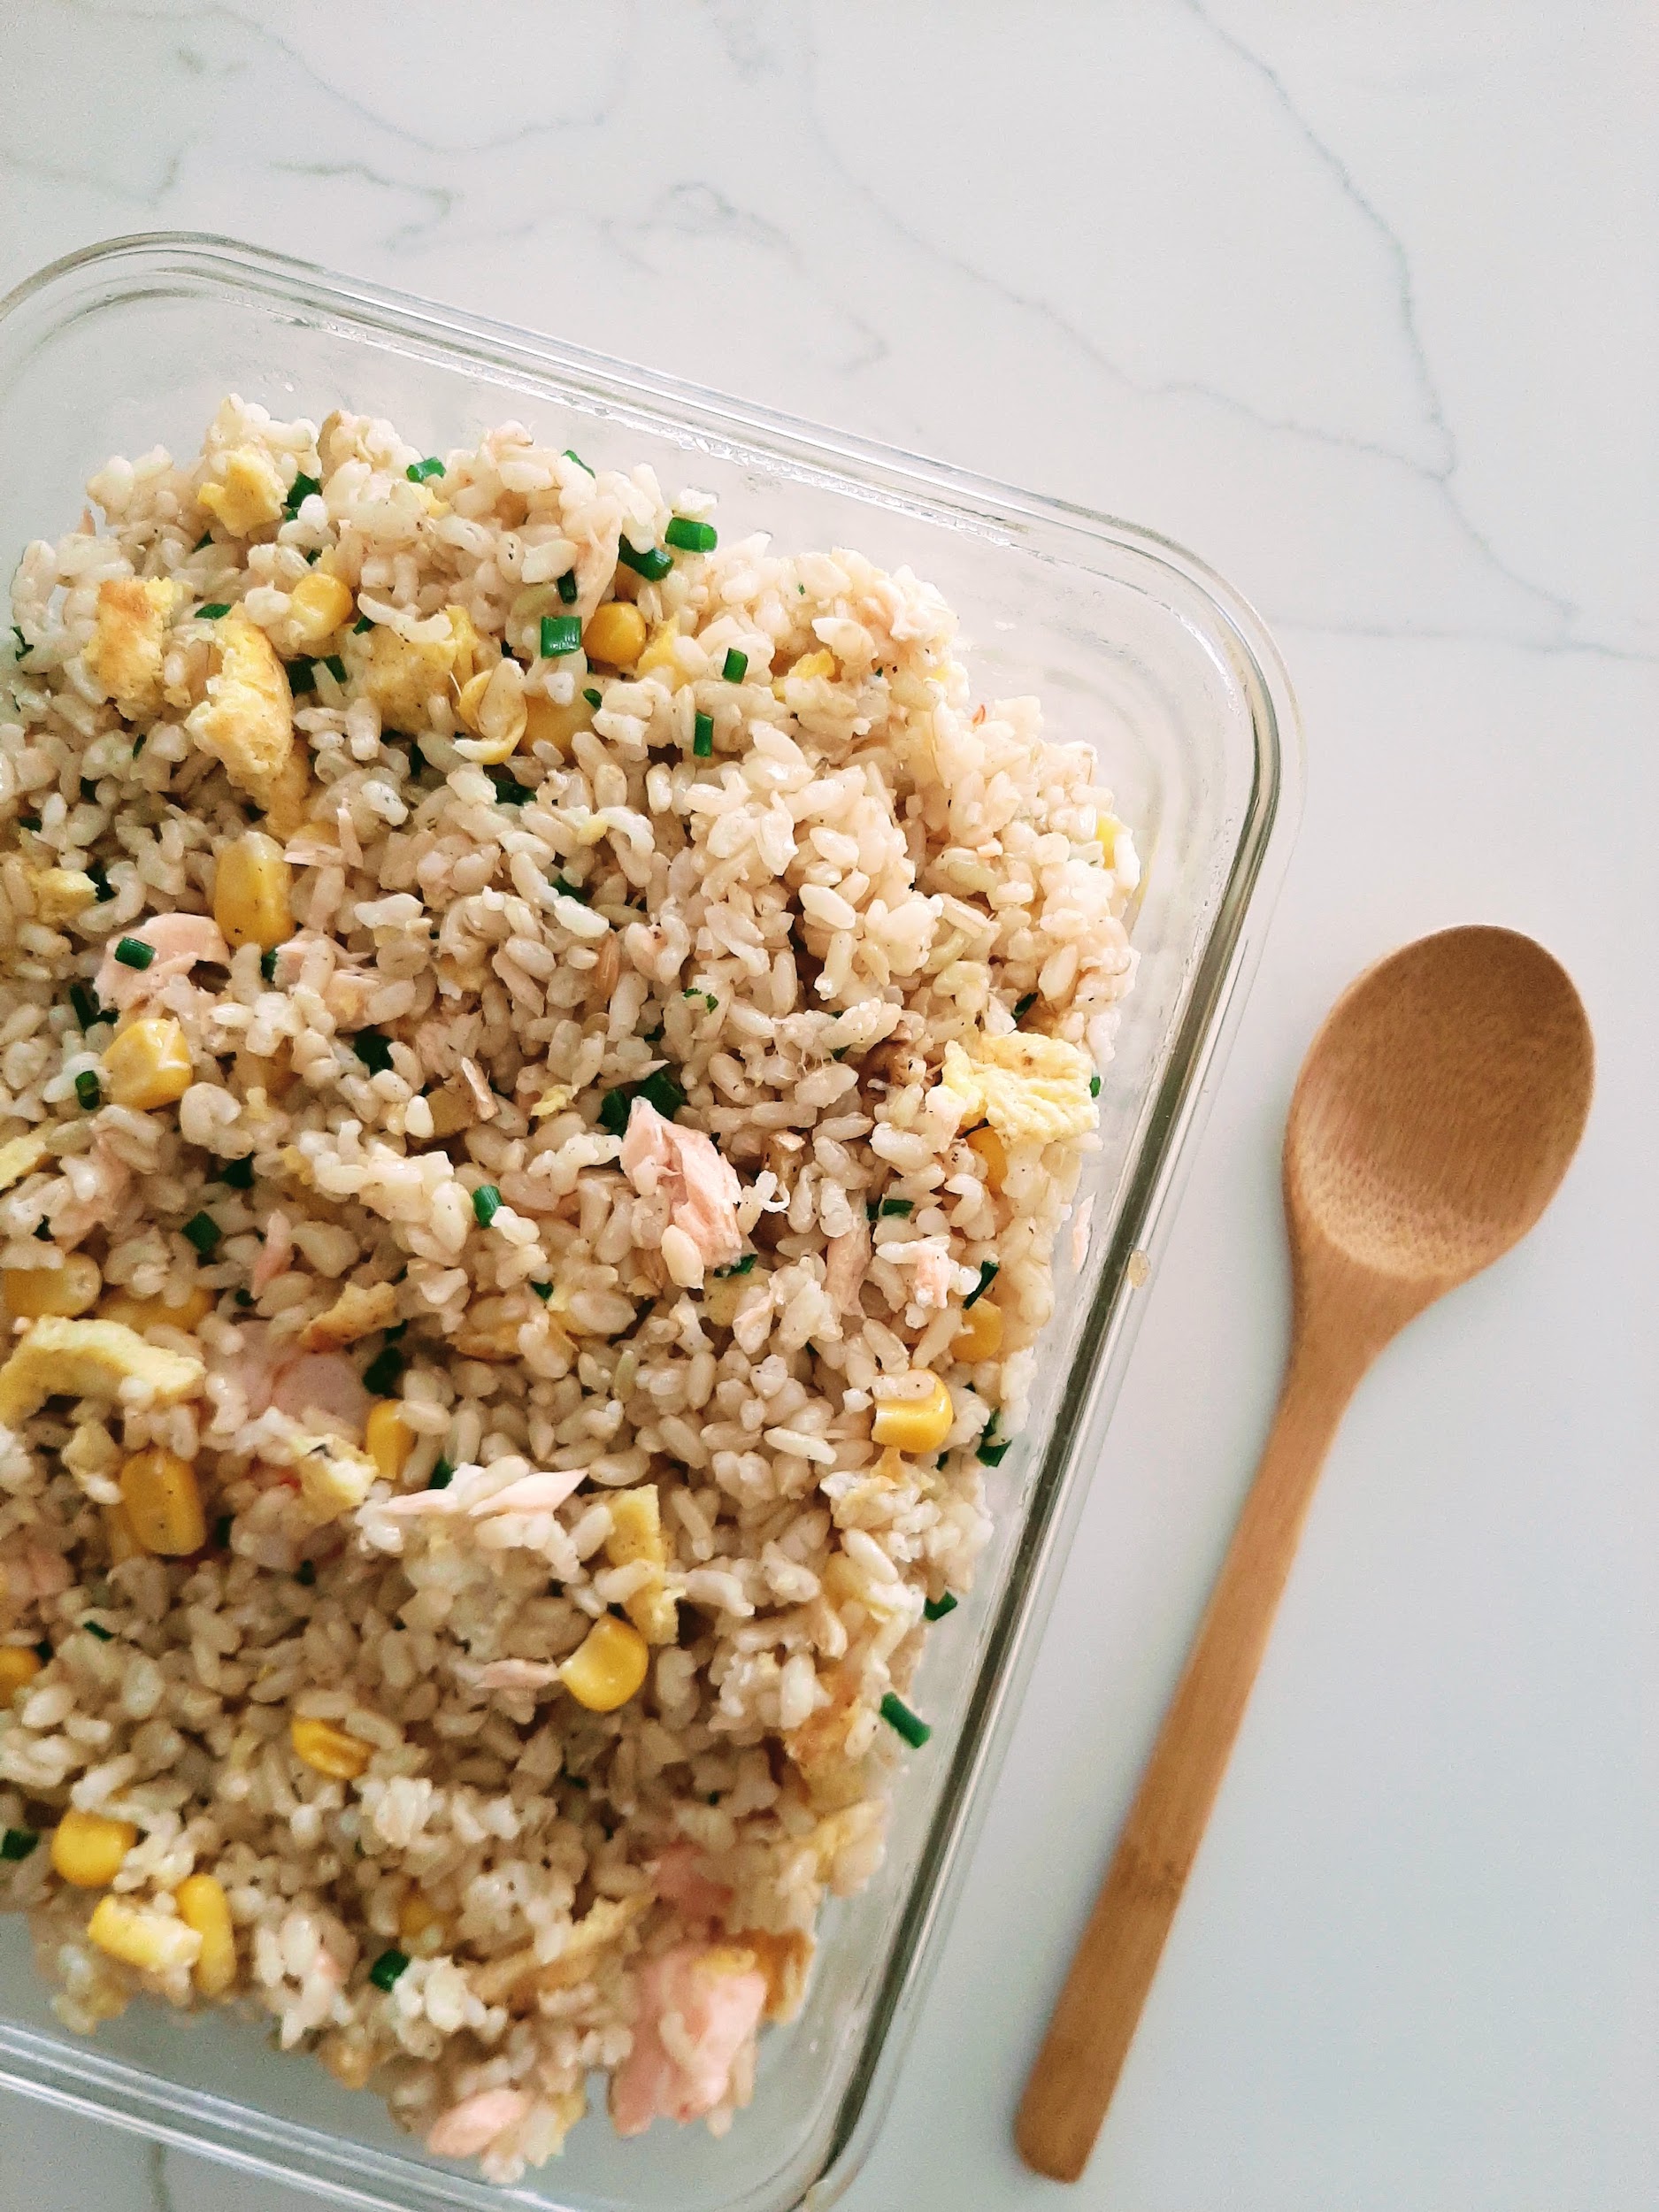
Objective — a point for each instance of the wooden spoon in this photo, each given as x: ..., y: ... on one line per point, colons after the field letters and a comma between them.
x: 1434, y: 1116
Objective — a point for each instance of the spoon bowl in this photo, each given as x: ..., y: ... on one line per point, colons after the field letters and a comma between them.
x: 1435, y: 1115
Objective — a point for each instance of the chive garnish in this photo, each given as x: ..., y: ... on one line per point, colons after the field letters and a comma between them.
x: 384, y: 1373
x: 543, y: 1291
x: 659, y: 1090
x: 388, y: 1967
x: 897, y: 1209
x: 486, y: 1204
x: 568, y: 588
x: 362, y: 626
x: 417, y: 472
x: 302, y: 677
x: 95, y: 1628
x: 577, y: 891
x: 899, y: 1718
x: 306, y: 1573
x: 299, y: 491
x: 203, y: 1231
x: 213, y: 612
x: 508, y: 790
x: 17, y: 1843
x: 1093, y: 1087
x: 88, y: 1091
x: 442, y: 1475
x: 139, y: 743
x: 571, y: 454
x: 936, y: 1608
x: 203, y: 543
x: 86, y: 1008
x: 734, y: 667
x: 238, y: 1173
x: 336, y: 667
x: 689, y: 536
x: 737, y: 1267
x: 221, y: 1531
x: 595, y: 699
x: 653, y: 564
x: 132, y: 952
x: 1023, y: 1006
x: 374, y: 1049
x: 561, y: 633
x: 989, y: 1272
x: 702, y: 736
x: 267, y: 964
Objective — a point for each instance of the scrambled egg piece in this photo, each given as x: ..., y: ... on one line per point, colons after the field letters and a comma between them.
x: 1032, y: 1090
x: 357, y: 1313
x: 60, y: 894
x: 89, y: 1359
x: 786, y: 1960
x: 21, y: 1156
x: 401, y: 677
x: 518, y: 1979
x: 128, y: 634
x: 247, y: 722
x: 249, y: 494
x: 335, y: 1477
x: 636, y: 1533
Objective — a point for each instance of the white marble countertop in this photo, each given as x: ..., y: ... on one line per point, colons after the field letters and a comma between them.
x: 1361, y: 304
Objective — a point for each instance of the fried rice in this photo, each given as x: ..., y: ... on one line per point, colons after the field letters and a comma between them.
x: 542, y: 1058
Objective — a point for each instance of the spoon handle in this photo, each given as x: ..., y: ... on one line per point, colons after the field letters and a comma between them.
x: 1095, y: 2020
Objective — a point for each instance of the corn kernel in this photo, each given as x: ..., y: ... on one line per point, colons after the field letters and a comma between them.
x: 318, y: 605
x: 17, y: 1665
x: 119, y: 1534
x: 980, y: 1335
x: 251, y: 887
x: 387, y: 1439
x: 546, y: 724
x: 164, y: 1504
x: 154, y: 1942
x: 69, y: 1289
x: 660, y: 654
x: 203, y: 1906
x: 148, y: 1064
x: 992, y: 1153
x: 151, y: 1313
x: 88, y: 1850
x: 916, y: 1424
x: 420, y: 1927
x: 608, y: 1667
x: 328, y: 1750
x: 615, y: 634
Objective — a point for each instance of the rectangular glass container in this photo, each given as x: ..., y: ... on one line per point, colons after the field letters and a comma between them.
x: 1132, y: 645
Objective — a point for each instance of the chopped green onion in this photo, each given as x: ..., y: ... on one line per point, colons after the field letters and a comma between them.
x: 22, y: 643
x: 708, y: 998
x: 86, y: 1008
x: 508, y: 790
x: 299, y: 491
x: 417, y: 472
x: 132, y: 952
x: 384, y: 1371
x: 33, y: 822
x: 221, y: 1531
x: 570, y: 591
x: 313, y: 557
x: 595, y: 699
x: 388, y: 1967
x: 306, y: 1573
x: 691, y: 537
x: 43, y: 1653
x: 44, y: 1231
x: 362, y: 626
x: 989, y: 1272
x: 561, y: 633
x: 267, y: 964
x: 899, y: 1718
x: 212, y: 613
x: 486, y: 1204
x: 661, y: 1090
x: 95, y: 1628
x: 571, y: 454
x: 702, y: 736
x: 99, y: 874
x: 336, y: 667
x: 653, y: 564
x: 243, y: 1298
x: 203, y: 543
x: 417, y: 759
x: 897, y: 1209
x: 89, y: 790
x: 614, y: 1107
x: 88, y: 1091
x: 396, y: 1332
x: 543, y: 1291
x: 1093, y: 1087
x: 578, y: 891
x: 993, y: 1455
x: 734, y: 667
x: 302, y: 677
x: 374, y: 1047
x: 203, y: 1231
x: 17, y: 1843
x: 936, y: 1608
x: 442, y: 1475
x: 1023, y: 1006
x: 238, y: 1173
x: 737, y: 1267
x: 139, y: 743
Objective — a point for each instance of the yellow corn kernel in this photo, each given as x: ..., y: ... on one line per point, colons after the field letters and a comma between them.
x: 164, y: 1504
x: 328, y: 1750
x: 992, y: 1153
x: 318, y: 605
x: 615, y: 634
x: 203, y: 1906
x: 17, y: 1665
x: 69, y: 1289
x: 88, y: 1850
x: 151, y: 1313
x: 155, y: 1942
x: 980, y: 1335
x: 148, y: 1064
x: 387, y: 1439
x: 421, y: 1929
x: 660, y: 652
x: 251, y: 887
x: 118, y: 1528
x: 916, y: 1424
x: 608, y: 1666
x: 549, y: 724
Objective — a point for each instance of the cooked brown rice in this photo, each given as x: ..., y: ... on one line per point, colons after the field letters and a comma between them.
x: 491, y: 1127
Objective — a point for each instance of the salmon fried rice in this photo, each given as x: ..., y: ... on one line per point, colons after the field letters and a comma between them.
x: 543, y: 1054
